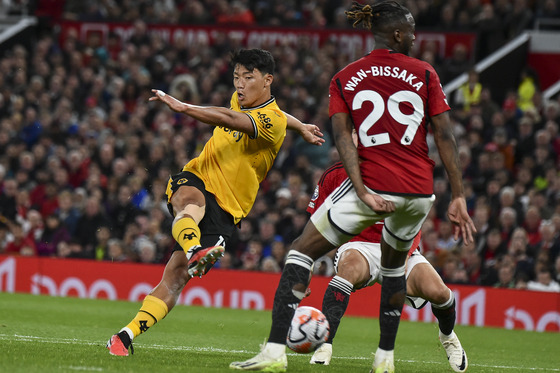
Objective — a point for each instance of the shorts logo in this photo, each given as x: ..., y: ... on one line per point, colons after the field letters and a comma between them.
x: 181, y: 181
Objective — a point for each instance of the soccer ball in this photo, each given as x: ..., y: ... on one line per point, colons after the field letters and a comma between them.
x: 308, y: 331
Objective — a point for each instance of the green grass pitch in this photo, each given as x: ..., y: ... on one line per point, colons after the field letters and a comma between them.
x: 50, y: 334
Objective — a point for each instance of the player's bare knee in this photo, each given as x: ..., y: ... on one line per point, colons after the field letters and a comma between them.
x: 192, y: 211
x: 353, y: 267
x: 441, y: 295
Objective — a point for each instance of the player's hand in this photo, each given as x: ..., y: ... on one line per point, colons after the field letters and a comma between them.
x: 312, y: 134
x: 377, y: 203
x: 170, y: 101
x: 459, y: 216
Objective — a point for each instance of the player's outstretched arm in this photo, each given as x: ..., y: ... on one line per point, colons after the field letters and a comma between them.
x: 447, y: 148
x: 342, y: 130
x: 215, y: 116
x: 309, y: 132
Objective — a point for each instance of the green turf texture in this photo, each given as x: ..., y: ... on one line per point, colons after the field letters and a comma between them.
x: 52, y: 334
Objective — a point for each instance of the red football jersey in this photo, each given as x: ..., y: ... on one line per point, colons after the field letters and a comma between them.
x: 329, y: 181
x: 390, y: 97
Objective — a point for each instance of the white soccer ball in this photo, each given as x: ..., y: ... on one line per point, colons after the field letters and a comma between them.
x: 308, y: 331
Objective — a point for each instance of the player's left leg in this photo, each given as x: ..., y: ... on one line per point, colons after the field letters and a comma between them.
x: 352, y: 272
x: 155, y: 306
x: 393, y: 294
x: 398, y: 236
x: 424, y: 282
x: 309, y: 246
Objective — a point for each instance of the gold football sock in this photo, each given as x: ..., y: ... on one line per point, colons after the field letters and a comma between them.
x: 153, y: 309
x: 186, y: 233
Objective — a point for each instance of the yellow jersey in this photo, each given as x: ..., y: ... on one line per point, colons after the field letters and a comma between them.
x: 232, y: 164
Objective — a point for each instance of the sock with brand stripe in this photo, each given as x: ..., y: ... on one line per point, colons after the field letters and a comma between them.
x: 186, y: 233
x: 153, y: 309
x: 393, y: 293
x: 335, y: 303
x: 290, y: 291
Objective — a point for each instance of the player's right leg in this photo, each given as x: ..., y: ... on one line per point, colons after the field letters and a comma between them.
x: 155, y: 306
x: 352, y: 272
x: 291, y: 290
x: 187, y: 202
x: 424, y: 282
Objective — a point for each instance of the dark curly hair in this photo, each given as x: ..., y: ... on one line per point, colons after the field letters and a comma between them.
x: 378, y: 17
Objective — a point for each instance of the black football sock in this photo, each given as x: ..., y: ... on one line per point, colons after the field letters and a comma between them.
x: 295, y: 275
x: 393, y: 293
x: 446, y: 314
x: 335, y: 303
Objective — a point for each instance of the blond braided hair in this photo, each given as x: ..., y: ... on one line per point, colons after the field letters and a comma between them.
x: 377, y: 16
x: 360, y: 14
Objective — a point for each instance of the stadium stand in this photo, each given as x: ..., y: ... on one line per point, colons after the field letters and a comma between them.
x: 84, y: 157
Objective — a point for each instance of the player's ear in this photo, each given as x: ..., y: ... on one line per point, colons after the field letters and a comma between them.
x: 397, y: 36
x: 268, y: 80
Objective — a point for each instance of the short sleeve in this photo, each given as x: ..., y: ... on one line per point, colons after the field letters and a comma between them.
x: 336, y: 100
x: 269, y: 124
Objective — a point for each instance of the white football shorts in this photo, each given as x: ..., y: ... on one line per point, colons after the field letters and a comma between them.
x: 343, y: 215
x: 372, y: 253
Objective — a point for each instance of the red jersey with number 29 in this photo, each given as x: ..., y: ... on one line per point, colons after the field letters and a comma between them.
x: 389, y: 97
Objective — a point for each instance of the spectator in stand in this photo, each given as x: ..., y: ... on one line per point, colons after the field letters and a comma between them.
x: 102, y: 236
x: 146, y: 250
x: 526, y: 90
x: 493, y: 247
x: 490, y: 34
x: 68, y: 214
x: 236, y: 13
x: 446, y: 241
x: 53, y: 234
x: 517, y: 249
x: 549, y: 240
x: 88, y: 224
x: 20, y: 244
x: 525, y: 142
x: 122, y: 212
x: 457, y: 64
x: 544, y: 282
x: 470, y: 92
x: 506, y: 277
x: 531, y: 224
x: 8, y: 208
x: 507, y: 223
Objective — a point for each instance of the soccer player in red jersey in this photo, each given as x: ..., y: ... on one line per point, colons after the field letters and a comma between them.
x: 389, y: 98
x: 357, y: 265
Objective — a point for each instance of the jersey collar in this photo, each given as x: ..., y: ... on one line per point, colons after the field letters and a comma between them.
x: 266, y: 103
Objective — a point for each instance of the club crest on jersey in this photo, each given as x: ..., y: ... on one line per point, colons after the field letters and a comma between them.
x: 264, y: 119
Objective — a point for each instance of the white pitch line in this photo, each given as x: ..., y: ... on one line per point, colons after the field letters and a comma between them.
x: 84, y: 368
x: 29, y: 338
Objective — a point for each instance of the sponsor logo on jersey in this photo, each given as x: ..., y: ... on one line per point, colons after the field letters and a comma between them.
x: 264, y: 119
x: 181, y: 181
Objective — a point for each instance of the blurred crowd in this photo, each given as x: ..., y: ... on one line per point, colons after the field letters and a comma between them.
x: 85, y: 157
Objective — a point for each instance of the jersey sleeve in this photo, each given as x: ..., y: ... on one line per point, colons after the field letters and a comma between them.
x: 336, y: 100
x: 269, y: 124
x: 437, y: 101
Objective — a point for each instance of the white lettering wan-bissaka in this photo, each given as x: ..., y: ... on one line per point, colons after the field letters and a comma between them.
x: 384, y: 71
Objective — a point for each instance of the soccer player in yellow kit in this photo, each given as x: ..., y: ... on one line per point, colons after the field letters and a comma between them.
x: 218, y: 188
